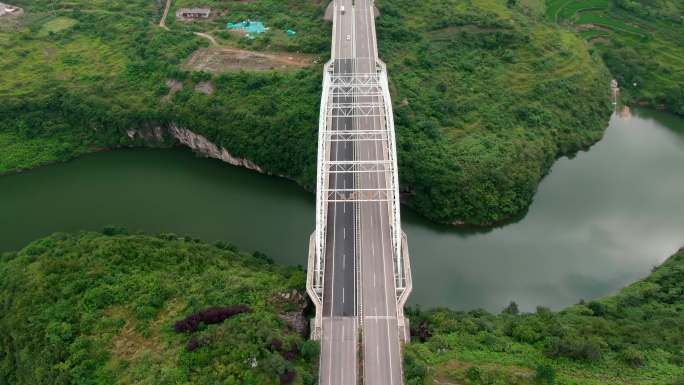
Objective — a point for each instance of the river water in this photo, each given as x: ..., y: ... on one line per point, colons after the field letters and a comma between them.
x: 598, y: 221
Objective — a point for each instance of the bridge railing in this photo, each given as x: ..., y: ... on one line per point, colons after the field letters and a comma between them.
x: 399, y: 267
x: 322, y: 183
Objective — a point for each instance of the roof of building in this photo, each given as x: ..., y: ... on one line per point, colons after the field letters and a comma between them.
x: 194, y: 10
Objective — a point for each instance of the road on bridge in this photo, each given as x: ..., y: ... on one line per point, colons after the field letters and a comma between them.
x: 338, y: 364
x: 358, y: 238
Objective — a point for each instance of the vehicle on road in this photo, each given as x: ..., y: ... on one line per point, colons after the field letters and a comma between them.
x: 348, y: 37
x: 342, y: 9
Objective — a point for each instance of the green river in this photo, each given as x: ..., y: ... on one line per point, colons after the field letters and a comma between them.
x: 598, y: 221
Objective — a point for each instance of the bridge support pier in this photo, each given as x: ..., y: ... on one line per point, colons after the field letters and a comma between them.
x: 402, y: 321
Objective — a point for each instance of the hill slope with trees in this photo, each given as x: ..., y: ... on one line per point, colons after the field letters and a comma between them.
x: 119, y: 308
x: 114, y: 308
x: 486, y: 97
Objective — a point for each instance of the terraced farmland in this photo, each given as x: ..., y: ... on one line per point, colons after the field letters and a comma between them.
x: 642, y: 44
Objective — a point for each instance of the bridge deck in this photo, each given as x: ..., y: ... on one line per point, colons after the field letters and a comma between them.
x: 359, y: 292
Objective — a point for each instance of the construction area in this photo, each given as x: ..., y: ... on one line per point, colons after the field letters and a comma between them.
x: 222, y: 59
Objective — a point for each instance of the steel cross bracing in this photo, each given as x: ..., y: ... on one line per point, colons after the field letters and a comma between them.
x: 369, y: 95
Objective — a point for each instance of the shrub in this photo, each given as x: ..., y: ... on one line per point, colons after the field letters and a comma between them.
x: 473, y: 373
x: 311, y: 350
x: 633, y: 357
x: 512, y: 308
x: 114, y: 230
x: 288, y: 376
x: 290, y: 354
x: 576, y: 349
x: 415, y: 371
x: 423, y: 331
x: 194, y: 344
x: 598, y: 308
x: 545, y: 375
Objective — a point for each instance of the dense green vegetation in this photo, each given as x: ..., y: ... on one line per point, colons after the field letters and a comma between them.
x: 485, y: 100
x: 486, y: 97
x: 114, y: 307
x: 81, y: 86
x: 642, y: 42
x: 94, y: 308
x: 633, y: 337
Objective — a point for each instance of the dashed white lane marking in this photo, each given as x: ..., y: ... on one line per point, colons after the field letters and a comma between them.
x: 344, y: 261
x: 344, y: 232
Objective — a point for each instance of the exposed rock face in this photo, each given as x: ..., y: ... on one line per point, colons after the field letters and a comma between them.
x: 203, y: 146
x: 292, y: 306
x: 151, y: 135
x: 297, y: 321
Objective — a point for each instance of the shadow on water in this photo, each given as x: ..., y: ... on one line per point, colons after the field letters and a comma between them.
x: 412, y: 218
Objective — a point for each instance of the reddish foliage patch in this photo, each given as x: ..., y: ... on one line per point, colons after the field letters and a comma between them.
x: 212, y: 315
x: 290, y: 355
x: 423, y: 331
x: 287, y: 377
x: 193, y: 344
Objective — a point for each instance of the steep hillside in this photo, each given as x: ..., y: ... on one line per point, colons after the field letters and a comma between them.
x: 486, y: 99
x: 92, y: 308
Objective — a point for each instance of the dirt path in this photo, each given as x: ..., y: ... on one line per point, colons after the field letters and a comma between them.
x: 162, y: 22
x: 208, y: 36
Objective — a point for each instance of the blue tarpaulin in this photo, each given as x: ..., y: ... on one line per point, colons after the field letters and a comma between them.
x: 251, y: 27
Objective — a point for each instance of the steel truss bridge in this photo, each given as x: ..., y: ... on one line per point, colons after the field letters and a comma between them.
x: 358, y: 269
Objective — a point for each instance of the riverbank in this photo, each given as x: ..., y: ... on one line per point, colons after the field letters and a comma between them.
x: 117, y: 297
x: 578, y: 240
x: 633, y: 337
x: 486, y: 98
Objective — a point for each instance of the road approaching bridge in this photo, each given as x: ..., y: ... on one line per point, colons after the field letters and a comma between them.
x: 358, y: 271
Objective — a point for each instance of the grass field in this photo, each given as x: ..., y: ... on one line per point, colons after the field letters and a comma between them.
x: 56, y: 25
x: 560, y: 10
x: 616, y: 26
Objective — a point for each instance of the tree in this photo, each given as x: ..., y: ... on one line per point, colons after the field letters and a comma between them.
x: 512, y: 309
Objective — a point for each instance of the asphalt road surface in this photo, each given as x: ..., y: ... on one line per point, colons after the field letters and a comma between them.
x: 381, y: 348
x: 359, y: 247
x: 340, y: 322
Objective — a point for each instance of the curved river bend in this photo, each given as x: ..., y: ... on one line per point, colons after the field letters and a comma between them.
x: 598, y: 221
